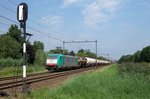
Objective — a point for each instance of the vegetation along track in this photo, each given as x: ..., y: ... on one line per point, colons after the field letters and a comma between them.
x: 9, y: 83
x: 20, y: 76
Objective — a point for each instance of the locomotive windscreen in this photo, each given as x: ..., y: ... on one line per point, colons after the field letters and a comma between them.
x: 52, y: 57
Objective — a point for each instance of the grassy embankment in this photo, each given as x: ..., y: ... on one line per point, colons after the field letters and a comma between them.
x: 11, y: 71
x: 108, y: 83
x: 9, y: 67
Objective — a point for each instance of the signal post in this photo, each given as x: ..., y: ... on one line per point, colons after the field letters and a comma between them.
x: 22, y: 15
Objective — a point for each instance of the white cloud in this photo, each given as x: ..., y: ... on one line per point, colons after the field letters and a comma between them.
x: 100, y: 11
x: 52, y: 21
x: 70, y: 2
x: 67, y: 2
x: 95, y: 12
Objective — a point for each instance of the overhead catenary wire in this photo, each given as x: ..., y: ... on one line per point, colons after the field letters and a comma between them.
x: 30, y: 28
x: 16, y: 12
x: 7, y: 8
x: 44, y: 33
x: 15, y: 4
x: 4, y: 23
x: 6, y: 18
x: 33, y: 29
x: 32, y: 13
x: 17, y: 22
x: 1, y: 31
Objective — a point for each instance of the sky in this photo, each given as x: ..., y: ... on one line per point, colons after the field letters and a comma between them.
x: 121, y: 27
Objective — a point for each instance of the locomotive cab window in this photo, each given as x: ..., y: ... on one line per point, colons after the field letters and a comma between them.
x: 53, y: 57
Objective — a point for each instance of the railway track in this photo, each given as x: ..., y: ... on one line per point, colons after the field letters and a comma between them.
x: 7, y: 83
x: 20, y: 76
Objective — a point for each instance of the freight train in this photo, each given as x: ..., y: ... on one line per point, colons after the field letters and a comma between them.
x: 60, y: 61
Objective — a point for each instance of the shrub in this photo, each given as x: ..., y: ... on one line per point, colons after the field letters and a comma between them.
x: 134, y: 68
x: 9, y: 47
x: 125, y: 58
x: 145, y: 54
x: 40, y: 58
x: 10, y: 62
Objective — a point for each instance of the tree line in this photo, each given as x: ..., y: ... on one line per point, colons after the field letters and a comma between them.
x: 81, y: 53
x: 11, y: 45
x: 11, y: 49
x: 138, y: 56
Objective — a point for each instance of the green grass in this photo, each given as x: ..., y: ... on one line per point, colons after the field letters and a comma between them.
x: 11, y: 71
x: 8, y: 62
x: 105, y: 84
x: 134, y: 68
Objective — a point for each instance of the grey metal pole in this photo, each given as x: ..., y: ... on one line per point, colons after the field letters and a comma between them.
x: 23, y: 30
x: 96, y: 52
x: 63, y: 47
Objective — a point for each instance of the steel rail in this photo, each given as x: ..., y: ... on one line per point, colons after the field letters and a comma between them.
x: 37, y: 78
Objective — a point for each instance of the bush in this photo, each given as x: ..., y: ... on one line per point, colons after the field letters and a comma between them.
x: 145, y: 54
x: 9, y: 47
x: 125, y: 58
x: 40, y: 58
x: 136, y: 56
x: 134, y: 68
x: 10, y: 62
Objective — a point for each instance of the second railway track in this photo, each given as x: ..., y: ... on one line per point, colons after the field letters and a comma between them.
x: 9, y: 83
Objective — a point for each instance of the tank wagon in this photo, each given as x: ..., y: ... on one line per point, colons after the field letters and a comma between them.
x: 91, y: 61
x: 82, y: 61
x: 60, y: 61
